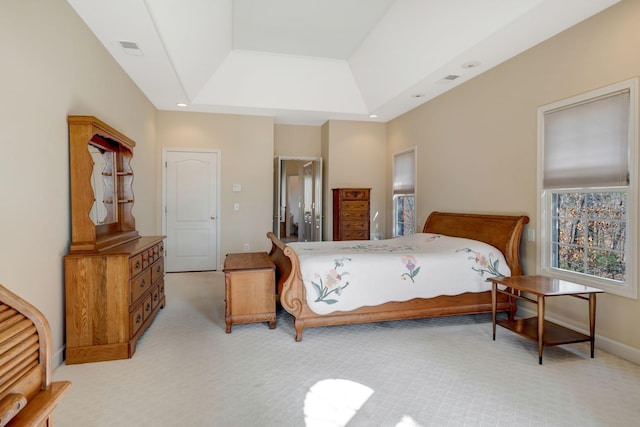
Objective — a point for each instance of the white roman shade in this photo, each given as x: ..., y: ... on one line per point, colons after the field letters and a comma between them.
x: 404, y: 172
x: 587, y: 144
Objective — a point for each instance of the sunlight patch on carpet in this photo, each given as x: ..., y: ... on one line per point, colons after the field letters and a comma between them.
x: 334, y: 402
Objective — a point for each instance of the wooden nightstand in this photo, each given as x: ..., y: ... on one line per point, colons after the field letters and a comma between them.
x: 250, y: 290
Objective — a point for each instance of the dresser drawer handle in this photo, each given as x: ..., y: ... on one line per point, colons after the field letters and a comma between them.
x: 148, y: 307
x: 155, y: 297
x: 137, y: 264
x: 142, y: 283
x: 138, y: 318
x: 158, y: 269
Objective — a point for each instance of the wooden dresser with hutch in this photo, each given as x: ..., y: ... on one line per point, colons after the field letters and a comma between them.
x: 351, y: 207
x: 114, y: 278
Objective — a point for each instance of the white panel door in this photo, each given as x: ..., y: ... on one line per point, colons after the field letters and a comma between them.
x: 191, y: 210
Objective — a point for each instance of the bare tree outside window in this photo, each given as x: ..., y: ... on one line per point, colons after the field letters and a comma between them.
x: 405, y: 221
x: 590, y: 233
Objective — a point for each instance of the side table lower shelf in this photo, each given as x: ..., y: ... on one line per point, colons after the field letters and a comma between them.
x: 554, y: 334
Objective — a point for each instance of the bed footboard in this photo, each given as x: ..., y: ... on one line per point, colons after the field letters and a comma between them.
x: 289, y: 285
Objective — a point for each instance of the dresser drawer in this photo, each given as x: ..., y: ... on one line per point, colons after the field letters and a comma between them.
x: 355, y: 235
x: 155, y: 297
x: 355, y: 226
x: 135, y: 265
x: 147, y: 307
x: 355, y: 206
x: 354, y: 194
x: 136, y: 319
x: 361, y: 216
x: 155, y: 253
x: 161, y: 290
x: 140, y: 314
x: 140, y: 284
x: 157, y: 270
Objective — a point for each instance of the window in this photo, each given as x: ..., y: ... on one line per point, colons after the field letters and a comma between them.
x: 587, y: 183
x: 404, y: 178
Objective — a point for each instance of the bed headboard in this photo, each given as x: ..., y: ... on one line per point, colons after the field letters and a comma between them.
x: 502, y: 231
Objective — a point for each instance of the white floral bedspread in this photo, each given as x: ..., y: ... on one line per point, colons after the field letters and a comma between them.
x: 342, y: 276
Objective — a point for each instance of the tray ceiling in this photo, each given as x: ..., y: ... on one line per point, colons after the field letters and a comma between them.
x: 306, y: 61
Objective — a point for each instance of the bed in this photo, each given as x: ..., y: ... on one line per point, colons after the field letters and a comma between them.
x: 502, y: 232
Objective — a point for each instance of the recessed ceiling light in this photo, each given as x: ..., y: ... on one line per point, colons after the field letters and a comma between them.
x: 373, y: 116
x: 471, y: 64
x: 181, y: 104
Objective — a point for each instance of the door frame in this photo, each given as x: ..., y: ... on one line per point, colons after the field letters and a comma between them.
x: 165, y: 150
x: 277, y: 185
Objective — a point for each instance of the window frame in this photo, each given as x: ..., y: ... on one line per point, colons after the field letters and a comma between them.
x: 544, y: 265
x: 396, y: 223
x: 412, y: 192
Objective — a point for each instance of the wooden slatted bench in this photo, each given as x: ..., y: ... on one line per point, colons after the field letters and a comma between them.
x: 27, y: 395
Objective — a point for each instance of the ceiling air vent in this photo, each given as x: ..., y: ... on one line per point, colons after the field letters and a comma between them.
x: 131, y: 48
x: 451, y: 77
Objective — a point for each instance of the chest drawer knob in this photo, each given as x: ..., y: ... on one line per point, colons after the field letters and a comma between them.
x: 142, y: 283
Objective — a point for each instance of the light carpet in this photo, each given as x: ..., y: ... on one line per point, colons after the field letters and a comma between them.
x: 432, y: 372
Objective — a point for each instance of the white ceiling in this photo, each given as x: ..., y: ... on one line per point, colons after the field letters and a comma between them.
x: 308, y: 61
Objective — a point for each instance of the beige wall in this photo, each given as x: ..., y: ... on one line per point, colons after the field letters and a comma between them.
x: 355, y: 157
x: 297, y: 141
x: 477, y: 143
x: 53, y: 66
x: 246, y: 158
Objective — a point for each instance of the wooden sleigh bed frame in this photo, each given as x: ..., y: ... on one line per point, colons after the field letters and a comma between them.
x: 502, y: 231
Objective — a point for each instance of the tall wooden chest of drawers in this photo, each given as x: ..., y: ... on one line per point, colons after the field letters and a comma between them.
x: 112, y: 297
x: 351, y: 207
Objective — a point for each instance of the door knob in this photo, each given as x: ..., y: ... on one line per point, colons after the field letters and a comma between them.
x: 213, y: 217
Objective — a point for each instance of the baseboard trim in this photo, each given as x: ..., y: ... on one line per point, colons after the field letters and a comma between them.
x: 57, y: 357
x: 610, y: 346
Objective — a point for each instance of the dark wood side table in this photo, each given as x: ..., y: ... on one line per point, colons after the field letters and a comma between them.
x: 546, y: 333
x: 250, y: 290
